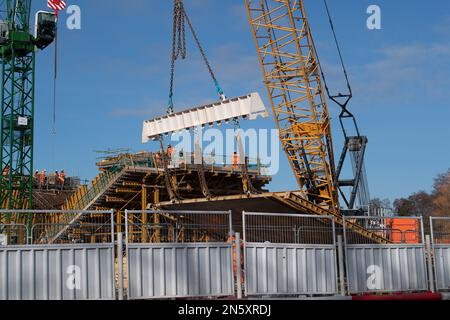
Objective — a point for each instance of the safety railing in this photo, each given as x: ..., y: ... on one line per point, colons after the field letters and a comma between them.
x: 81, y: 200
x: 184, y: 160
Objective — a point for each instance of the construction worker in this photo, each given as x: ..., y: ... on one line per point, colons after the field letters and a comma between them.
x: 158, y: 159
x: 36, y: 177
x: 235, y: 161
x: 56, y: 177
x: 6, y: 171
x: 42, y: 178
x: 232, y: 239
x: 62, y: 178
x: 169, y: 152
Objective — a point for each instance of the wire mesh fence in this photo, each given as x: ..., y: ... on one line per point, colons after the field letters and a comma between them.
x: 177, y: 226
x: 440, y: 230
x: 396, y: 230
x: 288, y: 228
x: 83, y: 227
x: 13, y: 234
x: 59, y: 227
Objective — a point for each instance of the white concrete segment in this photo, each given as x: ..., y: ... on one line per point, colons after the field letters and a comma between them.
x: 250, y: 106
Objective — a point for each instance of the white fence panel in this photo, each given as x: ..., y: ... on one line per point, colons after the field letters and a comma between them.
x: 57, y: 272
x: 386, y: 268
x: 440, y: 232
x: 289, y: 254
x: 442, y: 266
x: 290, y: 269
x: 395, y: 264
x: 179, y: 270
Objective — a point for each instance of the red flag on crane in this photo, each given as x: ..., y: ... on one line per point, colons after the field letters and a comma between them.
x: 56, y: 5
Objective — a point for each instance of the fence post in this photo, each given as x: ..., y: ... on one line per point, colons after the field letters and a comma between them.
x: 429, y: 250
x: 341, y: 265
x: 120, y: 264
x: 238, y: 265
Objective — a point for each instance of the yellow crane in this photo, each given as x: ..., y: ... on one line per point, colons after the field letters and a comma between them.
x: 292, y: 76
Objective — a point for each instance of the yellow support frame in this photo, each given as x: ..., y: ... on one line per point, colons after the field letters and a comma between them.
x: 291, y: 73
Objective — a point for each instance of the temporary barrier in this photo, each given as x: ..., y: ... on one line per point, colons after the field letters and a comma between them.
x: 440, y: 233
x: 289, y: 254
x: 68, y: 270
x: 398, y: 266
x: 178, y: 254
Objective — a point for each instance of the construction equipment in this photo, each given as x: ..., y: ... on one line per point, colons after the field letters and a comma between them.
x: 354, y: 145
x: 291, y: 73
x: 18, y: 47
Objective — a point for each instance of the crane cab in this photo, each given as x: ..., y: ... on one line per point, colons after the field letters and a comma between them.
x: 45, y: 29
x: 4, y: 32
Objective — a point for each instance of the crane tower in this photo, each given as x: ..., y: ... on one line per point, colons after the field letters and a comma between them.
x: 18, y: 48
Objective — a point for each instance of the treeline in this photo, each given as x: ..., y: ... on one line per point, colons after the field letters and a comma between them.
x: 435, y: 203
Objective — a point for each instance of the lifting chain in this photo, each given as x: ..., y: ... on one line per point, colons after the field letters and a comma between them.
x: 179, y: 50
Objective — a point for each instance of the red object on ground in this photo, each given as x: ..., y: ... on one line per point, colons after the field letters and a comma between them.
x: 427, y: 296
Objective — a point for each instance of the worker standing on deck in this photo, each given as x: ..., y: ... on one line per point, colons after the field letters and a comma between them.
x: 158, y: 159
x: 62, y: 178
x: 36, y: 177
x: 6, y: 171
x: 56, y: 177
x: 235, y: 161
x: 42, y: 178
x: 169, y: 152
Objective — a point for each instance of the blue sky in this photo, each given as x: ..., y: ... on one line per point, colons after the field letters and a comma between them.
x: 113, y: 74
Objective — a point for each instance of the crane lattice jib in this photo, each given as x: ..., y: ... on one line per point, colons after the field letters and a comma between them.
x: 17, y: 53
x: 291, y: 71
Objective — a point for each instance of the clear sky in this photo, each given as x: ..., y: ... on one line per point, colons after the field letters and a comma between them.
x: 113, y: 74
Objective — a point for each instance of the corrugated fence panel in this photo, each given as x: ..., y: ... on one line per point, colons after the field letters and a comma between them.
x: 290, y: 269
x: 57, y: 272
x: 442, y: 266
x: 386, y: 268
x: 179, y: 270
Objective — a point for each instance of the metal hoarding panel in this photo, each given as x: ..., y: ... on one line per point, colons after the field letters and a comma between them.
x: 386, y: 268
x: 57, y: 272
x: 273, y: 269
x: 442, y: 266
x: 179, y: 270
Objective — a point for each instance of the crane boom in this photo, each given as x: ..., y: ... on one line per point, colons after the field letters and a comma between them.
x: 292, y: 77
